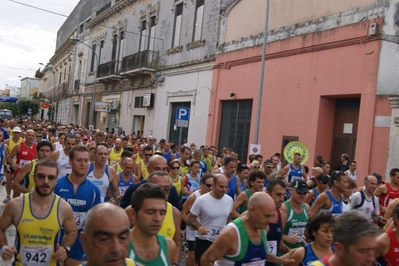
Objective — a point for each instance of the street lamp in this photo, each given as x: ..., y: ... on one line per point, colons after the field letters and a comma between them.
x: 95, y: 78
x: 30, y: 85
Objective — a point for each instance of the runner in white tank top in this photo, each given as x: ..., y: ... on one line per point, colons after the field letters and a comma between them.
x: 63, y: 164
x: 102, y: 183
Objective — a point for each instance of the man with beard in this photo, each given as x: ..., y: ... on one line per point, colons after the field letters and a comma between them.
x: 80, y: 193
x: 62, y: 156
x: 115, y: 152
x: 106, y: 241
x: 276, y: 189
x: 39, y: 217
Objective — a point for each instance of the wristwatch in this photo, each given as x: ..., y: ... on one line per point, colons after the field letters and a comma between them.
x: 67, y: 250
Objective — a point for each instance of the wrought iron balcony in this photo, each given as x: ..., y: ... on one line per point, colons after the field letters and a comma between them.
x: 108, y: 69
x: 144, y: 61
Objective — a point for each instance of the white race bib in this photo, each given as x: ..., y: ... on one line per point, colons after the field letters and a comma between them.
x: 122, y: 189
x: 79, y: 219
x: 272, y: 247
x: 35, y: 255
x: 22, y: 163
x: 294, y: 231
x: 214, y: 231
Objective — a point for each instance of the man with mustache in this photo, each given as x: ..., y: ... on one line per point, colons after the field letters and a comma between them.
x: 39, y: 217
x: 146, y: 246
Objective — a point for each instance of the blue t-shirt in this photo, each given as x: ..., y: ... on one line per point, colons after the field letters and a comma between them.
x: 86, y: 196
x: 232, y: 187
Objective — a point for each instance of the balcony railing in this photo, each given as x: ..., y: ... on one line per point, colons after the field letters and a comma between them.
x: 145, y: 59
x: 107, y: 69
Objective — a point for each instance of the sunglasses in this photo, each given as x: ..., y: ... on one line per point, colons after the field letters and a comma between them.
x: 176, y: 168
x: 268, y: 166
x: 134, y: 139
x: 149, y: 155
x: 208, y: 185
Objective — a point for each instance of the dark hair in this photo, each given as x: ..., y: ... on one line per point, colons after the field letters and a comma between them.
x: 206, y: 177
x: 125, y: 138
x: 126, y: 153
x: 378, y: 176
x: 274, y: 182
x: 162, y: 141
x: 44, y: 143
x: 251, y: 157
x: 395, y: 212
x: 351, y: 183
x: 241, y: 167
x: 70, y: 137
x: 393, y: 171
x: 316, y: 222
x: 171, y: 163
x: 194, y: 162
x: 336, y: 176
x: 228, y: 159
x: 351, y: 227
x: 257, y: 156
x: 47, y: 162
x: 128, y: 148
x: 254, y: 175
x: 184, y: 148
x: 77, y: 148
x: 306, y: 169
x: 60, y: 134
x: 146, y: 191
x: 345, y: 156
x: 148, y: 148
x: 325, y: 179
x: 267, y: 162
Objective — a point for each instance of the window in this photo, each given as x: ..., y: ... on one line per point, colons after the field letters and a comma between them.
x: 114, y: 47
x: 151, y: 35
x: 101, y: 51
x: 138, y: 102
x: 143, y: 35
x: 177, y: 26
x: 120, y: 49
x: 198, y: 19
x: 81, y: 27
x: 93, y: 58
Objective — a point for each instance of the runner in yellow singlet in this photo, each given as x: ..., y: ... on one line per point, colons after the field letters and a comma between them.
x: 38, y: 217
x: 11, y: 142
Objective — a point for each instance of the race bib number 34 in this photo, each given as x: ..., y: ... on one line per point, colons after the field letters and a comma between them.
x: 35, y: 255
x: 214, y: 232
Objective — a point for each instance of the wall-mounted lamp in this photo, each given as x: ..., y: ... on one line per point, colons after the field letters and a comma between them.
x: 233, y: 94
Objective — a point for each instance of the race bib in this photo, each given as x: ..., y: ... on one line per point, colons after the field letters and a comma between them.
x: 272, y: 247
x: 35, y: 255
x: 22, y: 163
x: 255, y: 263
x: 122, y: 190
x: 79, y: 219
x: 299, y: 231
x: 214, y: 232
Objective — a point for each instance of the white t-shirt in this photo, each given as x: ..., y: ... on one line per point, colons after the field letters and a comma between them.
x: 367, y: 208
x: 212, y: 213
x: 353, y: 177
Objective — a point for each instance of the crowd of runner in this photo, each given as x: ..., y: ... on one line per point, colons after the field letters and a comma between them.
x: 87, y: 197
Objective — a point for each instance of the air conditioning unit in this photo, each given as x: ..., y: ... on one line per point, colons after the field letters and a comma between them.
x: 114, y: 104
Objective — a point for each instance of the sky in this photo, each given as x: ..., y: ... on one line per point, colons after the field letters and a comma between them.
x: 28, y: 36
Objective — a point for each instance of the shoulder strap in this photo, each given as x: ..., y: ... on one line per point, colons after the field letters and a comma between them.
x: 362, y: 200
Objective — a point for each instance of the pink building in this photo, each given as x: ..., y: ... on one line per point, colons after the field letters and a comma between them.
x: 320, y: 86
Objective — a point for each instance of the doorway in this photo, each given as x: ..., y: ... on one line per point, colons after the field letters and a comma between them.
x: 235, y: 127
x: 345, y: 130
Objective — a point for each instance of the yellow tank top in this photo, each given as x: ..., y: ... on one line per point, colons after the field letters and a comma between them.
x: 168, y: 228
x: 177, y: 185
x: 29, y: 180
x: 183, y: 170
x: 119, y: 168
x: 37, y: 237
x: 114, y: 156
x: 144, y: 169
x: 138, y: 158
x: 11, y: 145
x: 208, y: 162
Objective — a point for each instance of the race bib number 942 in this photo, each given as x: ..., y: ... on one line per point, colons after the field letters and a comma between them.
x: 35, y: 255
